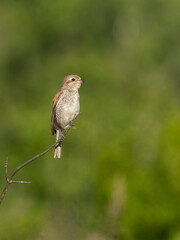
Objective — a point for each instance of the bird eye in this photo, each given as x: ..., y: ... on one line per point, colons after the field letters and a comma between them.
x: 73, y: 79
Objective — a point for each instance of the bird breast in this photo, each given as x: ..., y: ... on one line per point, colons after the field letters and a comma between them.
x: 67, y: 108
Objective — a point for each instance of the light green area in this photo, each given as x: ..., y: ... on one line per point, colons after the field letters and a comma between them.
x: 119, y: 176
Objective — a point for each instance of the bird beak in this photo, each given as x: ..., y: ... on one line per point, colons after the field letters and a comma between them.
x: 82, y: 80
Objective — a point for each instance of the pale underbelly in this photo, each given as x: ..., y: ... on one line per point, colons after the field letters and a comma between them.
x: 66, y: 113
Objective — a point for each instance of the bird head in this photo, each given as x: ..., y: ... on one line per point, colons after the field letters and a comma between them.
x: 73, y: 81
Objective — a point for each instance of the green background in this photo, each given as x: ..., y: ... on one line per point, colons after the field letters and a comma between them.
x: 119, y: 176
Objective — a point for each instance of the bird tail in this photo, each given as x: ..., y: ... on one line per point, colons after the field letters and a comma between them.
x: 57, y: 152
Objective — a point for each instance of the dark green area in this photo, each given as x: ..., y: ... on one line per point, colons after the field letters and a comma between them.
x: 119, y: 176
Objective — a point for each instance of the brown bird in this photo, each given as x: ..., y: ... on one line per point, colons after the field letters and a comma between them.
x: 65, y: 108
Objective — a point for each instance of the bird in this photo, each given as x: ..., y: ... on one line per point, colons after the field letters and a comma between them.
x: 65, y: 108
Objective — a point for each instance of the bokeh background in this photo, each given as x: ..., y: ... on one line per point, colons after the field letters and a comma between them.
x: 119, y: 176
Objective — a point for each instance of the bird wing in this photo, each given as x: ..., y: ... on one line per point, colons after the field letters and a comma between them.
x: 53, y: 115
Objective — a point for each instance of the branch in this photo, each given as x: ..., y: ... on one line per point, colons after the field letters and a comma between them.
x: 9, y: 180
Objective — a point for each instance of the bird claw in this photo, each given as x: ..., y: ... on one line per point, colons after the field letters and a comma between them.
x: 62, y: 137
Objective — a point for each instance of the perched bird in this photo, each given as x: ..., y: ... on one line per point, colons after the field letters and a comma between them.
x: 65, y: 108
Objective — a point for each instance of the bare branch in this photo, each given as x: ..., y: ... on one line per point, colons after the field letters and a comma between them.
x: 24, y: 182
x: 10, y: 180
x: 6, y: 169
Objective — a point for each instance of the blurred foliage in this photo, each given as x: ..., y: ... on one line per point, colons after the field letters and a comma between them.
x: 119, y: 174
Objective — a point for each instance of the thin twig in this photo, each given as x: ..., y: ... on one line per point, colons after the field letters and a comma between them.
x: 10, y: 180
x: 6, y: 169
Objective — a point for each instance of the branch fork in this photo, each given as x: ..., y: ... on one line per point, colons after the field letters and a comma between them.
x: 9, y: 180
